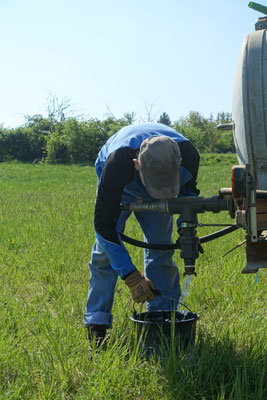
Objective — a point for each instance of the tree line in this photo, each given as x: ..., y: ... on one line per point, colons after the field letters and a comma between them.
x: 60, y: 138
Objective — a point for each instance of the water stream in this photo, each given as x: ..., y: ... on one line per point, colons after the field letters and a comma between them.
x: 185, y: 291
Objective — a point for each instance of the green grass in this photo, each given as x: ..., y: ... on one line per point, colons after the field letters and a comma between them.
x: 213, y: 158
x: 46, y: 222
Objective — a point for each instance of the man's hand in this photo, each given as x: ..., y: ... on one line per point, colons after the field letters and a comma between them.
x: 140, y: 287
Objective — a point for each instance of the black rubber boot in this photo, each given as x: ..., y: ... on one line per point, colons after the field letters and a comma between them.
x: 97, y: 335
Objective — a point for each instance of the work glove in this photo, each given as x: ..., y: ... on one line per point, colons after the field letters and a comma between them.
x: 140, y: 287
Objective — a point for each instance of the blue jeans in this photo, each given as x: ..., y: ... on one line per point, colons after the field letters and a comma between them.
x: 158, y: 266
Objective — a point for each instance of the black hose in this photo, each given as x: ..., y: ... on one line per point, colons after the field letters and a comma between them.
x: 216, y: 235
x: 151, y: 246
x: 173, y: 246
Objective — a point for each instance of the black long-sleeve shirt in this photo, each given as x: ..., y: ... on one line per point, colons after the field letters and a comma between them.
x: 118, y: 172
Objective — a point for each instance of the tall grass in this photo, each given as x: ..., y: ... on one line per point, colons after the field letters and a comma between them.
x: 46, y: 222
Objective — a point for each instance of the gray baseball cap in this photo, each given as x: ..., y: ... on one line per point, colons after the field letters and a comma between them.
x: 159, y: 161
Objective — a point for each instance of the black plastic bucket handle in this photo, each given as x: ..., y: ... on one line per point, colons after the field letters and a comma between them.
x: 179, y: 302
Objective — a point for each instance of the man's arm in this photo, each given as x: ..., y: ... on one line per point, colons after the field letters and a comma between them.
x: 190, y: 161
x: 117, y: 173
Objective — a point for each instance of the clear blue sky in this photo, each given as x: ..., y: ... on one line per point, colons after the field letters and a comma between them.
x: 178, y: 55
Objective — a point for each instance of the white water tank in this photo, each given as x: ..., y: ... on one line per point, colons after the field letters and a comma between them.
x: 249, y: 106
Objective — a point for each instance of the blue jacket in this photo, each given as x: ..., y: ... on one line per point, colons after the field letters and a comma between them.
x: 119, y: 182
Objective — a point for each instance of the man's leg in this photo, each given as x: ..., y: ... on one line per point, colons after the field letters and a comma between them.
x: 159, y: 265
x: 102, y: 281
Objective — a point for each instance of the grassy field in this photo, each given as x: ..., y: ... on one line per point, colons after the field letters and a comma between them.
x: 46, y: 222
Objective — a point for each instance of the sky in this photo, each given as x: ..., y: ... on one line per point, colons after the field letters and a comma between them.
x: 120, y: 56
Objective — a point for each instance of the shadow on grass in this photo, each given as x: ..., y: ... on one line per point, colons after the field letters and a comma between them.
x: 216, y: 368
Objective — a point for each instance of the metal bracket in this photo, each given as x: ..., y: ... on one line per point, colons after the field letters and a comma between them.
x: 188, y: 225
x: 251, y: 205
x: 261, y: 24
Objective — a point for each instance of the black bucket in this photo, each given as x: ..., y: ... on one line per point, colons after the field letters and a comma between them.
x: 160, y: 329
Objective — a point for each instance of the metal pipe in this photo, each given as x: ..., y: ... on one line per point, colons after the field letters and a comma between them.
x: 188, y: 208
x: 258, y: 7
x: 176, y: 206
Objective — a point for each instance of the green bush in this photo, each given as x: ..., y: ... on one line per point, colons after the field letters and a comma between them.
x: 57, y: 149
x: 85, y: 139
x: 20, y: 144
x: 79, y: 141
x: 197, y: 137
x: 202, y: 132
x: 74, y: 141
x: 225, y: 143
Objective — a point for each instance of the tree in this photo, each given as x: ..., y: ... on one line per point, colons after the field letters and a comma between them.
x: 129, y: 117
x: 150, y: 115
x: 164, y: 119
x: 58, y: 110
x: 223, y: 118
x: 39, y: 124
